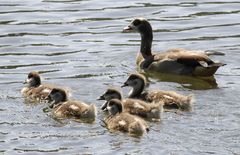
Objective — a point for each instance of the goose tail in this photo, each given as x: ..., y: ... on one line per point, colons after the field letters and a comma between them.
x: 213, y: 52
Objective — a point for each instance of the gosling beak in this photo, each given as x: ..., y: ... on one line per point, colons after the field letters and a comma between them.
x: 104, y: 106
x: 125, y: 84
x: 127, y: 28
x: 101, y: 97
x: 51, y: 105
x: 47, y: 98
x: 27, y: 81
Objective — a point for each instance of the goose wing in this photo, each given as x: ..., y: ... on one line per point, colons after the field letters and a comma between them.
x: 188, y: 58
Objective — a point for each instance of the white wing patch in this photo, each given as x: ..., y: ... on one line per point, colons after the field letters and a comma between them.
x: 122, y: 122
x: 168, y: 97
x: 58, y: 113
x: 24, y: 90
x: 136, y: 119
x: 73, y: 107
x: 203, y: 63
x: 137, y: 105
x: 46, y: 90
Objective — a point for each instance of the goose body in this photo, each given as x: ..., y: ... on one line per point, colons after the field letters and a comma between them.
x: 169, y: 99
x: 120, y: 120
x: 137, y: 107
x: 174, y: 61
x: 64, y: 108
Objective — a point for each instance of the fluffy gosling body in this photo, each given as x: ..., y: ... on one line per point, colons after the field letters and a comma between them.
x: 120, y: 120
x: 35, y: 90
x: 64, y: 108
x: 170, y: 99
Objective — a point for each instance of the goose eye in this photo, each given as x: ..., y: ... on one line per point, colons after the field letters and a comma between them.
x: 136, y: 22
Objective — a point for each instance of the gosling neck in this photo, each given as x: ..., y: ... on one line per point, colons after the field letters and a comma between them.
x: 137, y: 90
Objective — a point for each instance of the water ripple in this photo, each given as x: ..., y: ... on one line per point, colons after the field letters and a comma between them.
x: 78, y: 44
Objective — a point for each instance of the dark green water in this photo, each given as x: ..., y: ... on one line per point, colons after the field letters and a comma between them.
x: 79, y: 44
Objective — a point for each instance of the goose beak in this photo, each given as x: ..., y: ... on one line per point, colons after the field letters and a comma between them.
x: 127, y: 28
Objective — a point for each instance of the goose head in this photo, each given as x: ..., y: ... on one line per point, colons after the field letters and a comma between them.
x: 114, y: 106
x: 137, y: 82
x: 33, y: 79
x: 140, y: 25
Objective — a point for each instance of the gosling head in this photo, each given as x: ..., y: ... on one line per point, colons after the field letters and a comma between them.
x: 33, y: 79
x: 137, y: 82
x: 111, y: 93
x: 140, y: 25
x: 114, y: 106
x: 57, y: 96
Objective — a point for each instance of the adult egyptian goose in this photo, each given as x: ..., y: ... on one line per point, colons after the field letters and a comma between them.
x: 173, y: 61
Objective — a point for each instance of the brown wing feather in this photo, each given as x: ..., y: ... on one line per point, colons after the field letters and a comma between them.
x: 189, y: 58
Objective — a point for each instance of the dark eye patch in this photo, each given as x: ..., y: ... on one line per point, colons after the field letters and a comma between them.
x: 30, y: 75
x: 54, y: 91
x: 110, y: 103
x: 110, y: 92
x: 136, y: 22
x: 132, y: 77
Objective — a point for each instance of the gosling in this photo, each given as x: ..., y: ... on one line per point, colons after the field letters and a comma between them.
x: 64, y: 108
x: 35, y: 90
x: 170, y: 99
x: 120, y: 120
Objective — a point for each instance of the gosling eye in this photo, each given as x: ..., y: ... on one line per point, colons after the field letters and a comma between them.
x: 135, y: 82
x: 30, y: 76
x: 110, y: 104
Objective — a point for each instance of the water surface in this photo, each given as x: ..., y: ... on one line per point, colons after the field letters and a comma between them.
x: 79, y: 44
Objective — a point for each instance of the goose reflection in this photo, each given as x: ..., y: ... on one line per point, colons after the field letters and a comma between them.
x: 190, y: 82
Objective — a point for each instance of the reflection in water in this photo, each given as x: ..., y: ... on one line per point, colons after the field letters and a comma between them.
x: 190, y: 82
